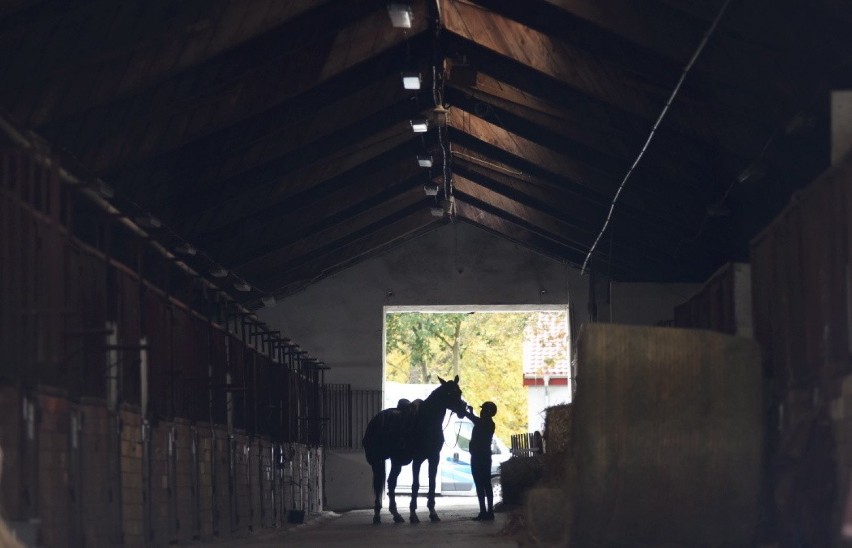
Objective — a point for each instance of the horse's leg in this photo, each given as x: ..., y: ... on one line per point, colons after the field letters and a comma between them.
x: 415, y: 487
x: 394, y: 473
x: 378, y: 485
x: 430, y: 502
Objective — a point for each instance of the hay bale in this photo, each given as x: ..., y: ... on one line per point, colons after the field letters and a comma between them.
x: 558, y: 427
x: 517, y: 476
x: 668, y: 437
x: 548, y: 516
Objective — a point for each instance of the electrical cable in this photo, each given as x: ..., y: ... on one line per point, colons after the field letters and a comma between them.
x: 662, y: 115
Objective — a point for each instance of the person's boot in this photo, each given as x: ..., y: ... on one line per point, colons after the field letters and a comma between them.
x: 489, y: 516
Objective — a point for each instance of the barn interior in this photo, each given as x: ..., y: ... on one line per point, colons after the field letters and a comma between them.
x: 206, y: 206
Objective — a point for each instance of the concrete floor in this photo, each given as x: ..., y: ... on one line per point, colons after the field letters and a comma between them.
x: 355, y: 528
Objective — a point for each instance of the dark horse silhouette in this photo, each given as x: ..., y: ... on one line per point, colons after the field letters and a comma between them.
x: 410, y: 433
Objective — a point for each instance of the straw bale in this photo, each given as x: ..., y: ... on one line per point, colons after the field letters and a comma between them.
x: 548, y: 515
x: 517, y: 475
x: 668, y: 437
x: 558, y: 427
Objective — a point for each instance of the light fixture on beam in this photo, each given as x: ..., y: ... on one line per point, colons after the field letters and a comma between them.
x: 400, y: 15
x: 148, y: 221
x: 430, y: 189
x: 419, y: 125
x: 752, y: 173
x: 424, y: 160
x: 436, y: 211
x: 105, y: 190
x: 240, y: 285
x: 218, y: 272
x: 268, y: 301
x: 411, y: 80
x: 186, y: 248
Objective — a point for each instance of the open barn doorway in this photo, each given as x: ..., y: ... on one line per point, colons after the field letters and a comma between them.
x: 516, y: 356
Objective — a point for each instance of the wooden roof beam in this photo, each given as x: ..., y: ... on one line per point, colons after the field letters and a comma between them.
x: 239, y: 202
x: 279, y: 272
x: 594, y: 78
x: 208, y: 98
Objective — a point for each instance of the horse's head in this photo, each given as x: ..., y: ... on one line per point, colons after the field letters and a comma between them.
x: 450, y: 396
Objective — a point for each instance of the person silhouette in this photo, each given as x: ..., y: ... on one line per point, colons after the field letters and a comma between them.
x: 480, y: 457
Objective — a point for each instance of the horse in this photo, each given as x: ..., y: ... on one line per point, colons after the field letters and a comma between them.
x: 407, y: 434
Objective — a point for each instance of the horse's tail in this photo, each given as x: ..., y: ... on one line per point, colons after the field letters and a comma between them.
x: 371, y: 441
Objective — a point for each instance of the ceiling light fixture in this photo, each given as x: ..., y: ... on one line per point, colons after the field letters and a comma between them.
x: 268, y: 301
x: 424, y: 160
x: 218, y: 272
x: 430, y: 190
x: 240, y: 285
x: 436, y: 211
x: 411, y: 80
x: 752, y: 173
x: 400, y: 15
x: 148, y: 221
x: 186, y: 248
x: 420, y: 125
x: 105, y: 190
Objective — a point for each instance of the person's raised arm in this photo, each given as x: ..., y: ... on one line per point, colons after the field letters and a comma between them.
x: 469, y: 414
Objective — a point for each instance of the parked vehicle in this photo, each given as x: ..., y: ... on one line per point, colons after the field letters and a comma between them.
x: 454, y: 476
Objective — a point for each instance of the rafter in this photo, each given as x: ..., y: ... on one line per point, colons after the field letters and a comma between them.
x: 277, y: 274
x: 592, y: 79
x: 208, y: 98
x: 104, y: 62
x: 238, y: 202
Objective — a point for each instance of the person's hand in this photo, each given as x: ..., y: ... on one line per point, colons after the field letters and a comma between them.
x: 470, y: 409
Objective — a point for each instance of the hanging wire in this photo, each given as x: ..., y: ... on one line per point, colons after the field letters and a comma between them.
x: 662, y: 115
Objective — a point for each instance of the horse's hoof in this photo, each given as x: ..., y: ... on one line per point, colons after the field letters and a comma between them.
x: 414, y: 518
x: 398, y: 519
x: 434, y: 518
x: 376, y: 520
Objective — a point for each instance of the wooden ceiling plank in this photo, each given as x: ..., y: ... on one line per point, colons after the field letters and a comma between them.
x: 300, y: 141
x: 300, y: 224
x: 628, y: 248
x: 281, y: 222
x: 184, y: 36
x: 596, y: 79
x: 572, y: 211
x: 276, y: 270
x: 609, y: 146
x: 377, y: 243
x: 247, y: 197
x: 654, y: 179
x: 315, y: 243
x: 250, y: 87
x: 518, y: 234
x: 532, y: 159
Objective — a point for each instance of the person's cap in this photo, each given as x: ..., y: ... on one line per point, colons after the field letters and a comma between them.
x: 489, y: 406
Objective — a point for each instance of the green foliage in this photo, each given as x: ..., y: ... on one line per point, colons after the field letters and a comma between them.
x: 484, y: 349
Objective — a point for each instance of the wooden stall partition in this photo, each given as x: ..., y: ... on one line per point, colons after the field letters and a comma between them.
x: 722, y: 304
x: 206, y: 494
x: 186, y: 477
x: 801, y: 270
x: 101, y: 516
x: 135, y: 516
